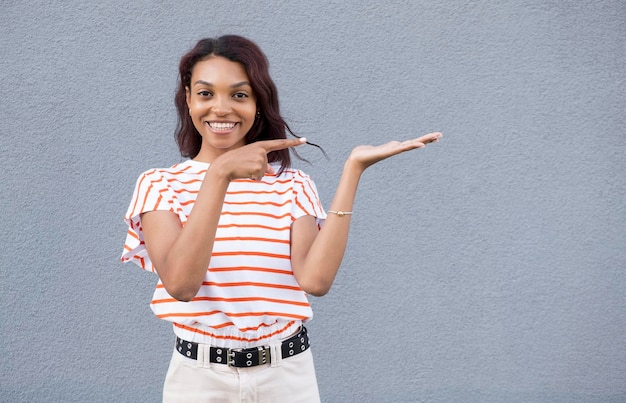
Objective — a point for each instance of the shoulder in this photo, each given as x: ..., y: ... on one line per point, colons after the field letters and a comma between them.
x: 294, y: 173
x: 188, y: 167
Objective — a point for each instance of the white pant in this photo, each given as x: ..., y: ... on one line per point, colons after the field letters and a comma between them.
x: 290, y: 380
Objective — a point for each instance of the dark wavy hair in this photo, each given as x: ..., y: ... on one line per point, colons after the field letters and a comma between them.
x: 270, y: 124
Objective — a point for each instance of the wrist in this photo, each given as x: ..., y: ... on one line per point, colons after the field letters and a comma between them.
x: 217, y: 174
x: 353, y: 167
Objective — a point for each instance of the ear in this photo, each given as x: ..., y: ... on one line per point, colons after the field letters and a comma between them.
x: 187, y: 96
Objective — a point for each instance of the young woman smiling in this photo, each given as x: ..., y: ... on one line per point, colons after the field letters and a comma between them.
x: 237, y: 237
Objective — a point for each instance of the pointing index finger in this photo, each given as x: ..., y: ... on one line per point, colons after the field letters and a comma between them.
x: 281, y: 144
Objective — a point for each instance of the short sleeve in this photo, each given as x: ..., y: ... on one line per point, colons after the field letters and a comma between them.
x: 306, y: 200
x: 151, y: 193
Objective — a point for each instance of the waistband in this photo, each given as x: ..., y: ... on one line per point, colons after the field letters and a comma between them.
x: 232, y: 337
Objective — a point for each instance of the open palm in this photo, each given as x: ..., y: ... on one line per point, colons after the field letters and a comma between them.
x: 367, y: 155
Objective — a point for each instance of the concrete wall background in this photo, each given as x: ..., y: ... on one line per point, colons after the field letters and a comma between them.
x: 489, y: 267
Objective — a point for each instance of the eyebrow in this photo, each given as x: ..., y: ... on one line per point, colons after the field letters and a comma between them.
x: 236, y: 85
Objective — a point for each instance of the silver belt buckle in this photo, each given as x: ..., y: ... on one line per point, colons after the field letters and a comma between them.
x: 230, y: 356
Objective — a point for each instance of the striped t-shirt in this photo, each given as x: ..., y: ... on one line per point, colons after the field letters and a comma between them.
x: 249, y: 295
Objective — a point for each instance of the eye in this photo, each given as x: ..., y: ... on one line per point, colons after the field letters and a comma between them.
x: 204, y: 93
x: 240, y: 95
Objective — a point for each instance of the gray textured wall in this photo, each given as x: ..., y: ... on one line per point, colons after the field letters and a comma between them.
x: 487, y: 268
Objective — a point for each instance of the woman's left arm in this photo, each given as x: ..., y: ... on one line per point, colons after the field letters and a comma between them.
x: 316, y: 255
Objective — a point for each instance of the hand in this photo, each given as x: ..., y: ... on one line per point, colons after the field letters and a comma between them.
x: 366, y: 155
x: 250, y: 161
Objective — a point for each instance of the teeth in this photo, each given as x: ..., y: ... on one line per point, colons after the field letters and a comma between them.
x: 221, y: 125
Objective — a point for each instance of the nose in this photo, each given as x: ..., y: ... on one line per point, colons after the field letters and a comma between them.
x: 221, y: 106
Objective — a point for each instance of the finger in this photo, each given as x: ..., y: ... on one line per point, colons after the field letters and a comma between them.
x: 413, y: 143
x: 430, y: 138
x: 280, y: 144
x: 410, y: 145
x: 269, y: 170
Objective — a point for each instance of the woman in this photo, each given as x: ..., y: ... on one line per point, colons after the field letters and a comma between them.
x: 238, y: 237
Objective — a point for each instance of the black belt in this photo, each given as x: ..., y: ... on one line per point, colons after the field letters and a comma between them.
x: 248, y: 357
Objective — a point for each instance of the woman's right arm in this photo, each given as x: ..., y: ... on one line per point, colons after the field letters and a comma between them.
x: 181, y: 255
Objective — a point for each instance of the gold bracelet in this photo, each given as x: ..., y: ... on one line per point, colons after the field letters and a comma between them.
x: 341, y: 213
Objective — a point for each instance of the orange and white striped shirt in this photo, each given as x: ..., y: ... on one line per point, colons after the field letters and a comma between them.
x: 249, y: 295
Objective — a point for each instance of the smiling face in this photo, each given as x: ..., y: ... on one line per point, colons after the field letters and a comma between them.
x: 221, y: 104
